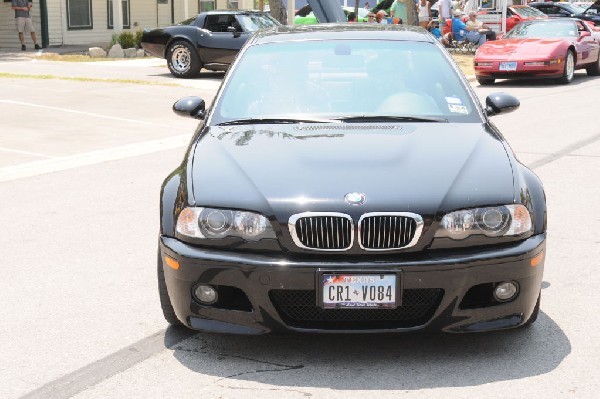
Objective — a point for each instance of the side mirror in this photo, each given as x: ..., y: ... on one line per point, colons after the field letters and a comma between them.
x: 584, y: 33
x: 233, y: 29
x: 500, y: 103
x: 190, y: 106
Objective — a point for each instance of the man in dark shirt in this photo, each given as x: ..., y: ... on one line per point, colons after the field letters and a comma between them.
x: 23, y: 20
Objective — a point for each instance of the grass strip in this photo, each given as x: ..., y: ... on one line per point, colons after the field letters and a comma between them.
x: 80, y: 79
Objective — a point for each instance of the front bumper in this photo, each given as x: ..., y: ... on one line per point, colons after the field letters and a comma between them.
x: 522, y: 72
x: 443, y: 291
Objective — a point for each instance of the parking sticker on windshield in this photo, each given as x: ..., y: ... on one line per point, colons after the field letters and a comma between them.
x: 453, y: 100
x: 459, y: 109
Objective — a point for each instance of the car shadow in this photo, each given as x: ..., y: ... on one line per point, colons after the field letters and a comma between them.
x: 578, y: 79
x: 204, y: 75
x: 376, y: 362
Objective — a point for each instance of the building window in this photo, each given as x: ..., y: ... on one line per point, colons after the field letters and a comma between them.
x: 125, y: 11
x: 206, y: 5
x: 232, y: 4
x: 79, y: 14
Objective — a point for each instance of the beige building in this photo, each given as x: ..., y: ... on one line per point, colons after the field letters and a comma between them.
x: 91, y: 22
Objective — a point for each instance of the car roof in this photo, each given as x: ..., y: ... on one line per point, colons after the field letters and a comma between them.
x: 338, y: 31
x: 235, y: 12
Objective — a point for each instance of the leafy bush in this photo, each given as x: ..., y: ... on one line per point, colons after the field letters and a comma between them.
x: 138, y: 38
x: 126, y: 40
x: 114, y: 39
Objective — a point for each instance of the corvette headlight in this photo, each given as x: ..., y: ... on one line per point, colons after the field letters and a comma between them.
x: 220, y: 223
x: 509, y: 220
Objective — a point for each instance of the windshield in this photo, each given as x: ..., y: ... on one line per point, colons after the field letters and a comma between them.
x: 543, y: 29
x: 254, y: 22
x: 188, y: 21
x: 528, y: 12
x: 342, y: 79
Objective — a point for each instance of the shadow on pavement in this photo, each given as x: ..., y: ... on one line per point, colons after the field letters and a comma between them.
x: 578, y: 79
x: 375, y: 362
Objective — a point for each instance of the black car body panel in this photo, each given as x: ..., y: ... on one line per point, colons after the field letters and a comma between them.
x: 327, y: 10
x: 279, y: 170
x: 207, y: 33
x: 562, y: 10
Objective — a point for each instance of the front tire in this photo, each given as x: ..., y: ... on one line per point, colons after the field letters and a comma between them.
x: 486, y: 81
x: 165, y: 301
x: 594, y: 69
x: 183, y: 60
x: 569, y: 69
x: 536, y: 312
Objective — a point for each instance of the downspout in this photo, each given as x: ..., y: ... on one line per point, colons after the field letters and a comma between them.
x: 172, y: 11
x: 44, y: 21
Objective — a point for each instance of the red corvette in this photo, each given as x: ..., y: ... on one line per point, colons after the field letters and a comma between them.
x: 550, y: 48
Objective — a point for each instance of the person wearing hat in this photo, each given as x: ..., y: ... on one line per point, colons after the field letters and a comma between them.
x: 481, y: 27
x: 381, y: 17
x: 463, y: 32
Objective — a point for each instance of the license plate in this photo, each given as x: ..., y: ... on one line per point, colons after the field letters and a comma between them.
x: 359, y: 291
x: 508, y: 66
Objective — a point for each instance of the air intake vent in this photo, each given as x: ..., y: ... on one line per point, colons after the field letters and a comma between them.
x: 389, y: 231
x: 326, y: 231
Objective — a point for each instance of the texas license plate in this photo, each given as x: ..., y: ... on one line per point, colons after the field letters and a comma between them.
x: 359, y: 291
x: 508, y: 66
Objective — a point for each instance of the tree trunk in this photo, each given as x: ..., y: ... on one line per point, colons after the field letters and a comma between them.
x: 277, y: 11
x: 413, y: 13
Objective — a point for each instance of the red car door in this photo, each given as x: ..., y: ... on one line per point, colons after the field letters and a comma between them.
x: 585, y: 45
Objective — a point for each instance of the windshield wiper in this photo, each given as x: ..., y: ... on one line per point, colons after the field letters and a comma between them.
x: 250, y: 121
x: 390, y: 118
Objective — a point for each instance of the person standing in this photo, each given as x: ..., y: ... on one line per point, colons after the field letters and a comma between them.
x: 424, y: 13
x: 445, y: 10
x: 399, y: 9
x: 23, y: 19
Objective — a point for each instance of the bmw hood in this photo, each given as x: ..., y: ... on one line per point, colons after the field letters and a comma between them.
x: 279, y: 170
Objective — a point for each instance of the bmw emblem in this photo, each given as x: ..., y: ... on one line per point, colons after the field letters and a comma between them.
x: 355, y: 198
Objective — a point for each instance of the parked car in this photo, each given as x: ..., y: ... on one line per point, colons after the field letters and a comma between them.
x: 566, y: 10
x: 552, y: 48
x: 210, y: 40
x: 516, y: 14
x: 306, y: 203
x: 305, y: 15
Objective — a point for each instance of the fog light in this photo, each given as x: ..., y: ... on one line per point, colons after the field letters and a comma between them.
x: 505, y: 291
x: 206, y: 294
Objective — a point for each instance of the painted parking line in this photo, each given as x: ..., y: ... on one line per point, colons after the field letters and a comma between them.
x: 92, y: 114
x: 34, y: 154
x: 58, y: 164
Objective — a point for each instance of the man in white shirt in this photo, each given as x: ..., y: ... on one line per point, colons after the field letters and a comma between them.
x: 445, y: 10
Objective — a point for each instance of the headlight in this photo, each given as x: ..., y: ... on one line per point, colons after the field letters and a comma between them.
x: 220, y: 223
x: 509, y: 220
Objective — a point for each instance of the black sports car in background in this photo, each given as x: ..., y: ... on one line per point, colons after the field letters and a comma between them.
x: 210, y: 40
x: 564, y: 9
x: 307, y: 203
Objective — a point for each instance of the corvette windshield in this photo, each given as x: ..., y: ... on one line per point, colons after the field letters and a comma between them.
x: 254, y: 22
x: 528, y: 12
x: 342, y: 80
x: 543, y: 29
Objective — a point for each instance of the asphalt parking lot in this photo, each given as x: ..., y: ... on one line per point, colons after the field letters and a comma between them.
x: 81, y: 163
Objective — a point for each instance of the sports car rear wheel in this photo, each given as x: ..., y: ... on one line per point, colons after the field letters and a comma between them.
x: 183, y: 60
x: 594, y: 69
x: 569, y: 69
x: 486, y: 81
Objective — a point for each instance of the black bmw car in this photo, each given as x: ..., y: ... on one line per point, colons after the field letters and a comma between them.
x: 347, y: 179
x: 210, y: 40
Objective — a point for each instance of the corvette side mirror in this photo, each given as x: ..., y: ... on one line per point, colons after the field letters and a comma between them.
x: 500, y: 103
x: 191, y: 107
